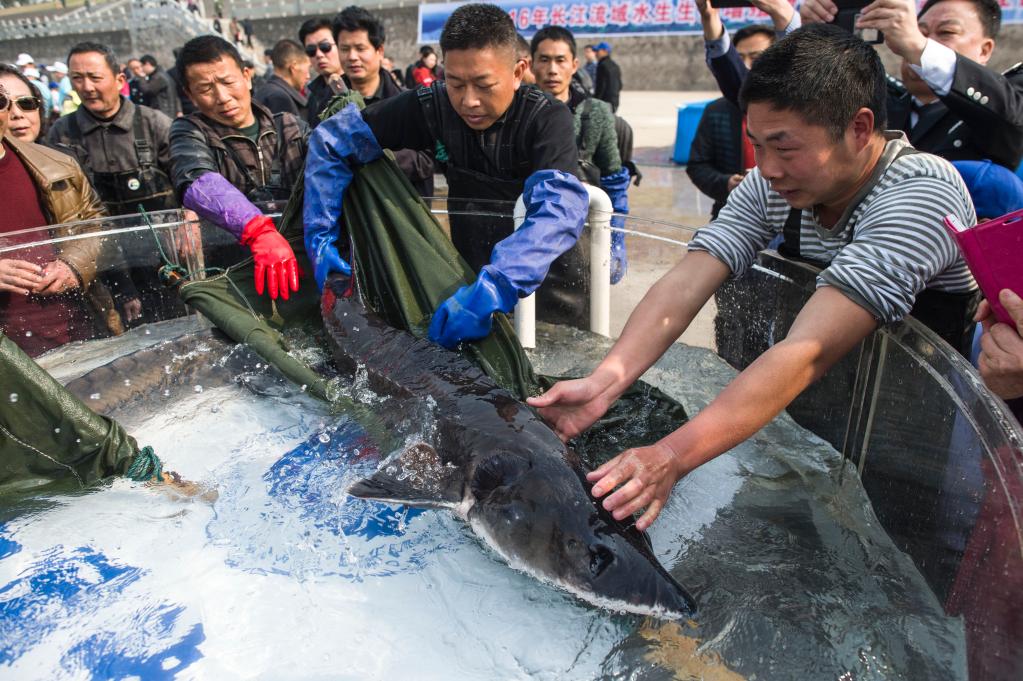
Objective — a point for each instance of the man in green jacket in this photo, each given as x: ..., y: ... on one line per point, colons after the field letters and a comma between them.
x: 553, y: 64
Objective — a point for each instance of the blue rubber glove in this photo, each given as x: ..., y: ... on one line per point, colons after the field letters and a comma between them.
x: 556, y: 208
x: 617, y: 187
x: 336, y: 147
x: 469, y: 313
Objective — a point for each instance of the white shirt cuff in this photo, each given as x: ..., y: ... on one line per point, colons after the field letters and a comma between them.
x: 937, y: 67
x: 718, y: 48
x: 794, y: 23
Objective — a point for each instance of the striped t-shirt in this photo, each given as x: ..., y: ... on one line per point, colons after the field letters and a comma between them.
x: 891, y: 246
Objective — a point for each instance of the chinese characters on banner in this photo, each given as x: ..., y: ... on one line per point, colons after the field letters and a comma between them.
x: 595, y: 17
x: 621, y: 17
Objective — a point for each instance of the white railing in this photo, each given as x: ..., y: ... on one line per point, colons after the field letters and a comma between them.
x: 599, y: 223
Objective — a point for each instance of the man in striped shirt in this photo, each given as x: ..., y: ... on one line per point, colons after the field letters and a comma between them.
x: 847, y: 196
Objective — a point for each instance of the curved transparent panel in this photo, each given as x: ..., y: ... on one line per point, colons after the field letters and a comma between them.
x: 879, y: 538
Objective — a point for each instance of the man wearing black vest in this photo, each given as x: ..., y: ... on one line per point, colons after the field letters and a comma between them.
x: 234, y: 153
x: 500, y: 140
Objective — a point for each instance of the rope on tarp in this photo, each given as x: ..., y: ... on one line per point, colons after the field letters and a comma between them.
x: 146, y: 467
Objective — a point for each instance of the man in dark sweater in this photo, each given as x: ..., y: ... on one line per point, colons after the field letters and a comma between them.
x: 318, y: 39
x: 283, y: 91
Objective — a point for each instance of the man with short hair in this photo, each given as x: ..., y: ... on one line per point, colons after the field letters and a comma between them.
x: 525, y: 54
x: 124, y: 147
x: 157, y: 88
x: 721, y: 152
x: 317, y: 38
x: 501, y: 140
x: 949, y: 102
x: 233, y: 152
x: 360, y: 38
x: 554, y: 64
x: 607, y: 84
x: 125, y: 150
x: 858, y: 202
x: 283, y: 91
x: 590, y: 55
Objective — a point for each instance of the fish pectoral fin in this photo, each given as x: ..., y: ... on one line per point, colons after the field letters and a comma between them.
x: 415, y: 477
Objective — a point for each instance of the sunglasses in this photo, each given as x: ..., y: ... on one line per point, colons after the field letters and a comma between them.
x: 25, y: 102
x: 324, y: 47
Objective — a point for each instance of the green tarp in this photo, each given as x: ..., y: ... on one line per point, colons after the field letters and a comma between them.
x: 50, y: 441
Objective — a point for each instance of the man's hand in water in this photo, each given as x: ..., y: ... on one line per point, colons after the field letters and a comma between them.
x: 570, y: 407
x: 642, y: 478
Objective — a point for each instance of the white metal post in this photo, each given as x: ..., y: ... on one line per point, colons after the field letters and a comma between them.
x: 599, y: 224
x: 525, y: 310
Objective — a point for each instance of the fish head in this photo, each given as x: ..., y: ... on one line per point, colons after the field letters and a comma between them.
x: 538, y: 513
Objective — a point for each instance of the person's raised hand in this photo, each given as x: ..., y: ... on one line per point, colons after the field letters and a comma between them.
x: 57, y: 277
x: 642, y: 478
x: 897, y: 20
x: 19, y: 276
x: 710, y: 19
x: 734, y: 180
x: 1001, y: 350
x: 780, y: 11
x: 570, y: 407
x: 818, y: 11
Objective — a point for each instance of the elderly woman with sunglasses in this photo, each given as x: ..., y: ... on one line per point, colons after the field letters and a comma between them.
x: 39, y: 308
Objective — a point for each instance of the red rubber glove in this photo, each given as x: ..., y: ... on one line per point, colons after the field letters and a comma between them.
x: 273, y: 255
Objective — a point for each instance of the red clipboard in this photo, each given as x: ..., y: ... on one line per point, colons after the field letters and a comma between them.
x: 994, y: 252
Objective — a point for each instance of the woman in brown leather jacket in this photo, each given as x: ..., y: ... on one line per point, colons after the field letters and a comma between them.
x: 46, y: 275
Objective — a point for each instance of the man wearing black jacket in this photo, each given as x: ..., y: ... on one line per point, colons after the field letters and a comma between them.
x: 609, y: 77
x: 949, y: 102
x: 318, y: 39
x: 282, y: 92
x: 360, y: 39
x: 157, y: 88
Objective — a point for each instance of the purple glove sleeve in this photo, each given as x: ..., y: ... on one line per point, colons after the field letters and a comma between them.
x: 217, y: 200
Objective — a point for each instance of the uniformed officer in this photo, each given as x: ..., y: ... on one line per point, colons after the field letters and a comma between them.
x: 124, y: 149
x: 500, y: 140
x: 949, y: 102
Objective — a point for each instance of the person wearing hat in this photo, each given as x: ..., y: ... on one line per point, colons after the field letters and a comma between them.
x: 608, y: 83
x: 64, y: 89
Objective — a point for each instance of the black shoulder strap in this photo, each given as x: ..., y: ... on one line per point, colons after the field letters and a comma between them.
x: 793, y: 223
x: 276, y: 174
x: 584, y: 126
x: 789, y: 246
x: 428, y: 103
x: 143, y: 150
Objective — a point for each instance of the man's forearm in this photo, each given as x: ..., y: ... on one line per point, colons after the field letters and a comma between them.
x: 660, y: 318
x: 828, y: 327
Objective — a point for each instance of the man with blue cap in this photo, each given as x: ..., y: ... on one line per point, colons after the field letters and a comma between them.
x: 608, y: 83
x: 499, y: 139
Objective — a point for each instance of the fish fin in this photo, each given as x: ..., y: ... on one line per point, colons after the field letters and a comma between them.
x: 416, y: 477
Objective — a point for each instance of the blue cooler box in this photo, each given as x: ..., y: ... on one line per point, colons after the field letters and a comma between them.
x: 689, y: 116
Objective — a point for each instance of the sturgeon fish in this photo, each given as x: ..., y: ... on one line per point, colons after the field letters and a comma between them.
x: 497, y: 465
